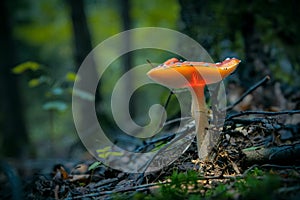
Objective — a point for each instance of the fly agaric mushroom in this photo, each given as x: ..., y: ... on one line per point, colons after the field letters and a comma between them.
x: 194, y: 75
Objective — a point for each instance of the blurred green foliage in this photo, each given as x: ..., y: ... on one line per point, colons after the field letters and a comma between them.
x: 26, y: 66
x: 43, y: 30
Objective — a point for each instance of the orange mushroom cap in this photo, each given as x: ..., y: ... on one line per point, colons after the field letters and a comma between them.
x: 176, y: 74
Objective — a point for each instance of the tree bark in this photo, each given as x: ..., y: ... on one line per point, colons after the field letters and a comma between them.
x: 127, y: 58
x: 256, y: 59
x: 286, y: 154
x: 14, y: 139
x: 82, y: 39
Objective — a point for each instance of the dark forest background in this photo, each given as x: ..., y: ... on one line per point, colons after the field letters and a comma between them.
x: 43, y: 43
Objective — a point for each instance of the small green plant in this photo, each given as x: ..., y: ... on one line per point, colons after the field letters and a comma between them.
x: 257, y: 185
x: 219, y: 192
x: 256, y: 172
x: 180, y: 186
x: 56, y: 91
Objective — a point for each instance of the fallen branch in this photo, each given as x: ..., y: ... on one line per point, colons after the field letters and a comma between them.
x: 149, y: 186
x: 289, y: 112
x: 251, y: 89
x: 179, y: 136
x: 279, y: 154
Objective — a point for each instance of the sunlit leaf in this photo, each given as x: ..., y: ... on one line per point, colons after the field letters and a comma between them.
x: 26, y: 66
x: 105, y: 149
x: 55, y: 105
x: 71, y: 76
x: 37, y: 81
x: 84, y: 95
x: 106, y: 152
x: 57, y: 91
x: 94, y: 165
x: 34, y: 82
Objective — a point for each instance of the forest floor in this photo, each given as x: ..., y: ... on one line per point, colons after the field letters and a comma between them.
x: 256, y: 157
x: 250, y: 162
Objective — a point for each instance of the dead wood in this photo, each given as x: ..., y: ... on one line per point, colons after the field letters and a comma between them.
x: 250, y: 112
x: 281, y: 154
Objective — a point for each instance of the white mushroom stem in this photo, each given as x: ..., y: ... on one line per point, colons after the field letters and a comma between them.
x: 199, y: 113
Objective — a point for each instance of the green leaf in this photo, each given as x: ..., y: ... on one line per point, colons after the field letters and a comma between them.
x: 34, y: 82
x: 26, y: 66
x: 84, y: 95
x: 57, y: 91
x: 106, y: 152
x: 94, y: 165
x: 71, y: 76
x: 251, y: 149
x: 37, y: 81
x: 55, y: 105
x: 105, y: 149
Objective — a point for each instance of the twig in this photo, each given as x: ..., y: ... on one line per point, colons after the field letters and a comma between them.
x: 97, y: 194
x: 165, y: 138
x: 290, y: 112
x: 179, y: 136
x: 247, y: 121
x: 177, y: 120
x: 251, y: 89
x: 288, y: 189
x: 248, y: 170
x: 165, y: 106
x: 150, y: 63
x: 149, y: 186
x: 105, y: 182
x: 280, y: 166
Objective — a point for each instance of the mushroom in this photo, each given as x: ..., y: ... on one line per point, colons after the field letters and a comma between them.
x: 194, y: 75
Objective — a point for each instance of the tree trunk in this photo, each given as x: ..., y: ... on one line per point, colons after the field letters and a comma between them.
x: 127, y: 58
x: 192, y: 15
x: 14, y: 139
x: 82, y: 38
x: 255, y: 57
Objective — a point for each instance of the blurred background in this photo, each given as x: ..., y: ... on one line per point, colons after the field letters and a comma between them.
x: 43, y: 43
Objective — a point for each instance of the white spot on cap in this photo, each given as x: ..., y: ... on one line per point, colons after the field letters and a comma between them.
x: 227, y: 59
